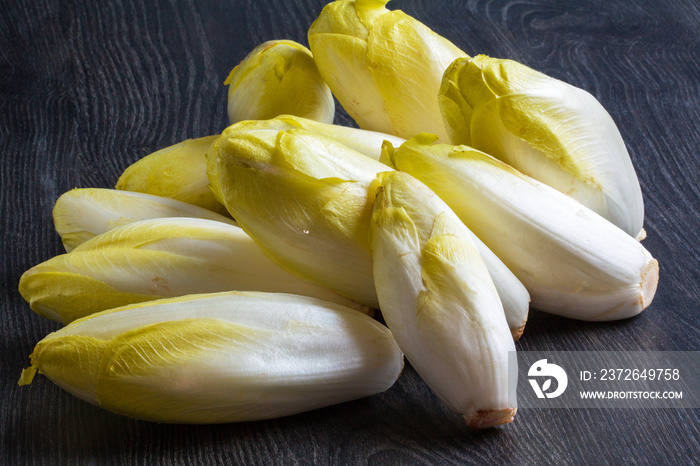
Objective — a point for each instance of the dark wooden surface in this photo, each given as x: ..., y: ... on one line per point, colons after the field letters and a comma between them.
x: 86, y: 88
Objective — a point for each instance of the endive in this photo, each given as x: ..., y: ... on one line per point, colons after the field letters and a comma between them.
x: 547, y: 129
x: 572, y: 261
x: 224, y: 357
x: 82, y: 214
x: 384, y: 67
x: 368, y: 143
x: 307, y: 201
x: 304, y: 199
x: 278, y: 77
x: 177, y: 172
x: 152, y: 259
x: 438, y: 300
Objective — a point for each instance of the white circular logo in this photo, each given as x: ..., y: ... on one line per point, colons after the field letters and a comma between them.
x: 546, y: 372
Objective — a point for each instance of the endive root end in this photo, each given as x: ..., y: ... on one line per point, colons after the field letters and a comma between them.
x: 492, y: 418
x: 650, y: 278
x: 641, y: 235
x: 517, y: 332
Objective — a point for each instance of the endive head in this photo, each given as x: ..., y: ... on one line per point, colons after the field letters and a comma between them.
x: 383, y: 66
x: 547, y: 129
x: 438, y: 298
x: 157, y: 258
x: 573, y: 262
x: 278, y: 77
x: 82, y: 214
x: 177, y: 172
x: 224, y: 357
x: 137, y: 262
x: 304, y: 199
x: 422, y: 157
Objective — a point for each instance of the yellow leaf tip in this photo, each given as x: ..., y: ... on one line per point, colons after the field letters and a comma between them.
x: 27, y: 375
x: 372, y: 3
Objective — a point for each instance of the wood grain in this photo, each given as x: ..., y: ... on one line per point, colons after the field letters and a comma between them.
x: 87, y: 88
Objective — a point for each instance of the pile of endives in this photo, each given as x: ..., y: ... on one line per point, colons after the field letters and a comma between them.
x: 476, y: 187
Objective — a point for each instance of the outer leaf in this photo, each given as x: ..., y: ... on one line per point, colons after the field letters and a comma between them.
x: 153, y: 259
x: 368, y: 143
x: 513, y: 295
x: 547, y: 129
x: 278, y: 77
x: 572, y: 261
x: 224, y: 357
x: 438, y: 299
x: 304, y: 199
x: 455, y: 109
x: 384, y: 67
x: 176, y: 172
x: 81, y: 214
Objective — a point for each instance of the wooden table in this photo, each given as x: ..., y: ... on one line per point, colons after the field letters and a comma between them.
x: 87, y: 88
